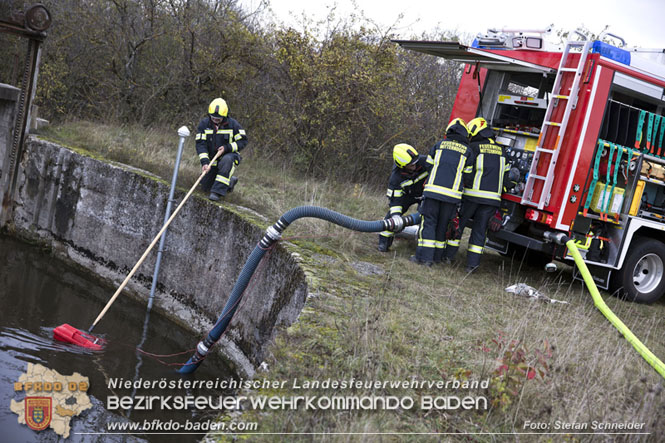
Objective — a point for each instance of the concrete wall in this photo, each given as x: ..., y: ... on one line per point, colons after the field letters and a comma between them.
x: 8, y: 96
x: 102, y: 216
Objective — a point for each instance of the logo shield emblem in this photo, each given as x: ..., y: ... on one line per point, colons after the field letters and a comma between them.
x: 38, y: 412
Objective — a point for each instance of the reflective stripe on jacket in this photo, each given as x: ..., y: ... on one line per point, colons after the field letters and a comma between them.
x: 485, y: 184
x: 450, y: 159
x: 404, y: 184
x: 210, y: 137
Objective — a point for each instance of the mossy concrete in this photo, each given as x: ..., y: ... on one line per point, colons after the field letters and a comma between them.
x: 103, y: 215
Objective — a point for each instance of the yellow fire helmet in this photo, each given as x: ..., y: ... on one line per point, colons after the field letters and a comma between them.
x: 457, y: 126
x: 476, y: 125
x: 218, y: 108
x: 404, y: 155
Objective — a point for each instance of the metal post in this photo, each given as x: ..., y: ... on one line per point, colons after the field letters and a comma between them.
x: 183, y: 132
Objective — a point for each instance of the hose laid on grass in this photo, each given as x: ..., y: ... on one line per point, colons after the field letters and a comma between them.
x: 272, y: 235
x: 607, y: 312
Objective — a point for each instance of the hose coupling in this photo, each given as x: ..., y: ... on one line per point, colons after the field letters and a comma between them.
x: 203, y: 347
x: 272, y: 235
x: 395, y: 223
x: 559, y: 238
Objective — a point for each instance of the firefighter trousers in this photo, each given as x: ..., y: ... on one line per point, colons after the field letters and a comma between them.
x: 218, y: 178
x: 480, y: 215
x: 436, y: 215
x: 386, y: 237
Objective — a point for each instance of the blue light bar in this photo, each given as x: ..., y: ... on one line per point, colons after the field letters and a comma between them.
x: 611, y: 52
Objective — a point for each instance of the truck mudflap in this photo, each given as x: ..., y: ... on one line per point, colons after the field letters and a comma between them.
x: 601, y: 275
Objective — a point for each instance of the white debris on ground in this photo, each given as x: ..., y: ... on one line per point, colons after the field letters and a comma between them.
x: 527, y: 291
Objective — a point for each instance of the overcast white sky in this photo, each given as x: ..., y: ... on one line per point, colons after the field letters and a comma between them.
x: 639, y: 22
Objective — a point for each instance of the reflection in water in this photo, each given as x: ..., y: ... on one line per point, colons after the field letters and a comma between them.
x: 39, y: 293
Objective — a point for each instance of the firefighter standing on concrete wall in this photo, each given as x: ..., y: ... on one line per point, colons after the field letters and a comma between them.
x: 216, y: 132
x: 450, y: 159
x: 405, y: 186
x: 482, y: 191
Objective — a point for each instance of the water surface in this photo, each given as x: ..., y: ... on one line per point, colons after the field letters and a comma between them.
x: 39, y: 293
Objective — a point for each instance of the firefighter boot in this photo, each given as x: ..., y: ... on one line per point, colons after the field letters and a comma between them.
x: 385, y: 242
x: 473, y: 255
x: 232, y: 183
x: 452, y: 246
x: 439, y: 253
x: 416, y: 260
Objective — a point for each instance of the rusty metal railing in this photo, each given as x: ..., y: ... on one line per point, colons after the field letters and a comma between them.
x: 31, y: 24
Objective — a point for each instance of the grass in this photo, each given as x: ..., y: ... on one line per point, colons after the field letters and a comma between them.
x: 412, y: 323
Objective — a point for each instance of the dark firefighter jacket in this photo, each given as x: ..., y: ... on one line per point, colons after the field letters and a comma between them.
x: 404, y: 185
x: 450, y: 159
x: 209, y: 138
x: 491, y: 169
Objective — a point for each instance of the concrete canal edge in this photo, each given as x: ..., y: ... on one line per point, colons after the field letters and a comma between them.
x: 102, y: 215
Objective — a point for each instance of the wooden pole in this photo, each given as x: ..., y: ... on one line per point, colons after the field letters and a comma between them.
x: 152, y: 245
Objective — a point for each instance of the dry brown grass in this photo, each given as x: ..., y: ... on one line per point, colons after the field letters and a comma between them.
x: 428, y: 324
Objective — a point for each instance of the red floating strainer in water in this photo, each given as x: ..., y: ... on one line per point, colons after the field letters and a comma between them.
x: 69, y: 334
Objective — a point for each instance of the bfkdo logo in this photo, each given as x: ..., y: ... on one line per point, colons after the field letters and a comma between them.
x: 50, y: 400
x: 38, y: 412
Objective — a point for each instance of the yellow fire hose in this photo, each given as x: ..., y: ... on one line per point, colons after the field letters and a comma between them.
x: 607, y: 312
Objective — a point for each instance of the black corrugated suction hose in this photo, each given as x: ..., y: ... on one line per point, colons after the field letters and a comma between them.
x: 273, y: 234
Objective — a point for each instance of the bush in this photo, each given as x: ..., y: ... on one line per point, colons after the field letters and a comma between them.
x: 332, y: 105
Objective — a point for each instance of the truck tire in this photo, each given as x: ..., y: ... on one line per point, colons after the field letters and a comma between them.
x: 642, y: 277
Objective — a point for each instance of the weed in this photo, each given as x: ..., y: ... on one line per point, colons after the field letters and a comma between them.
x: 515, y: 366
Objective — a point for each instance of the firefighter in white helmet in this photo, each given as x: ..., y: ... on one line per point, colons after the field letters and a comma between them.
x: 482, y: 191
x: 405, y: 185
x: 217, y: 131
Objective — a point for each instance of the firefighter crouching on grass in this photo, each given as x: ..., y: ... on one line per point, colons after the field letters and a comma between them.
x: 451, y: 158
x: 216, y: 132
x: 482, y: 191
x: 405, y: 186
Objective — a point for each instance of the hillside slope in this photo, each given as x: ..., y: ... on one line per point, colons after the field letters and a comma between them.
x: 403, y: 331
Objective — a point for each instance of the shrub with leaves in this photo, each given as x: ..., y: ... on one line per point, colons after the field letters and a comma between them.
x: 515, y: 365
x: 327, y: 103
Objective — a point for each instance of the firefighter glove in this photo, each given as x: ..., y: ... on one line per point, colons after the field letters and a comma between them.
x: 496, y: 222
x: 453, y: 232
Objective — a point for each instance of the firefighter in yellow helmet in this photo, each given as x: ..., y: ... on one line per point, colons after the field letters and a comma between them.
x: 405, y: 185
x: 450, y: 159
x: 482, y: 191
x: 217, y: 131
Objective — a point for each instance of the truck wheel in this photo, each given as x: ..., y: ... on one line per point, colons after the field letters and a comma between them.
x: 642, y: 278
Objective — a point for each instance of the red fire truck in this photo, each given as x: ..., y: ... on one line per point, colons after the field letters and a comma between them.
x: 583, y: 122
